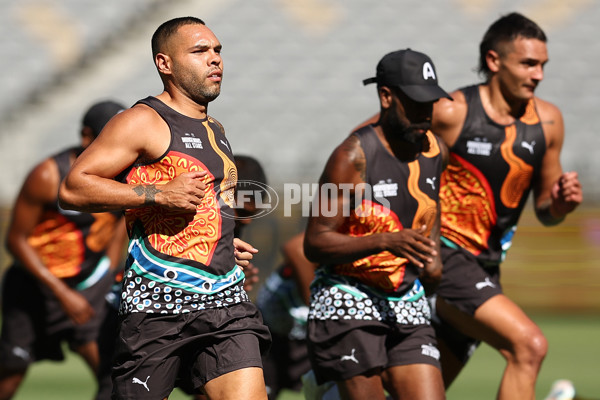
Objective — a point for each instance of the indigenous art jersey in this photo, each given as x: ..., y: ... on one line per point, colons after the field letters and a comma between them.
x: 486, y: 184
x: 181, y: 261
x: 404, y: 195
x: 71, y: 244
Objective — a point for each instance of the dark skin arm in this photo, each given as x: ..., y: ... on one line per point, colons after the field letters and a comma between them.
x: 136, y: 134
x: 323, y: 243
x: 40, y: 189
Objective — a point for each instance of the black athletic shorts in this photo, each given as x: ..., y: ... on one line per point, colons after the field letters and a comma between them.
x: 341, y: 349
x: 466, y: 285
x: 285, y: 364
x: 34, y: 324
x: 154, y: 352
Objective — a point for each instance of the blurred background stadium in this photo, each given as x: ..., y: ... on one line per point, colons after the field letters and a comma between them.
x: 292, y: 91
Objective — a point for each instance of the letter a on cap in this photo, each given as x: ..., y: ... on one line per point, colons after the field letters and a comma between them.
x: 428, y: 71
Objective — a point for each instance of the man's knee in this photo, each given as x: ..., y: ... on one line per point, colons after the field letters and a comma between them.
x: 531, y: 347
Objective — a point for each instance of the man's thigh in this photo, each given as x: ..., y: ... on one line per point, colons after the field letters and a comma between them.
x: 245, y: 383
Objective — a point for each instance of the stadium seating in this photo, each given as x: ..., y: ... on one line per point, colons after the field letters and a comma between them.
x: 293, y: 70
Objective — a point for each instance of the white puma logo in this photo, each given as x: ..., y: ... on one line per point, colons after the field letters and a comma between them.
x: 139, y: 382
x: 225, y: 144
x: 528, y: 146
x: 350, y: 357
x: 431, y: 181
x: 486, y: 282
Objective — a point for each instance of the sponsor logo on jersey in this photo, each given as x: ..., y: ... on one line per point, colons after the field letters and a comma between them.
x: 479, y: 147
x: 431, y: 181
x: 385, y: 189
x: 191, y: 142
x: 528, y: 146
x: 140, y: 382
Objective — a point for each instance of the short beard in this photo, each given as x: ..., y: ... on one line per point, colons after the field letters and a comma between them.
x: 405, y: 132
x: 204, y: 94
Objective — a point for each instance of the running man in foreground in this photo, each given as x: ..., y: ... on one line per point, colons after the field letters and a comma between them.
x: 184, y: 313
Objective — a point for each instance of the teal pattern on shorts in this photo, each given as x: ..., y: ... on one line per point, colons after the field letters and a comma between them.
x: 335, y: 297
x: 143, y: 295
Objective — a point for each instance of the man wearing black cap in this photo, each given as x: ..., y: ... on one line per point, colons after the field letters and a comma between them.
x: 55, y: 289
x: 504, y: 142
x: 375, y: 234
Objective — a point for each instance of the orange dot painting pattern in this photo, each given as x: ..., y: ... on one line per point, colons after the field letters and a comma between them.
x: 519, y: 175
x: 189, y: 235
x: 59, y: 244
x: 101, y: 231
x: 467, y: 205
x: 383, y: 270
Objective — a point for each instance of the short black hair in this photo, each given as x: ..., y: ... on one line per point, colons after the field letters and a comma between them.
x: 168, y: 28
x: 249, y: 169
x: 99, y: 114
x: 506, y: 29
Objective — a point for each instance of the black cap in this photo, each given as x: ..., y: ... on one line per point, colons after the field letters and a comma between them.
x: 412, y: 72
x: 99, y: 114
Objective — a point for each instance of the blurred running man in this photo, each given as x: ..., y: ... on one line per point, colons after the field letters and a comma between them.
x: 54, y: 291
x: 283, y: 300
x: 504, y: 142
x: 184, y: 313
x: 374, y: 231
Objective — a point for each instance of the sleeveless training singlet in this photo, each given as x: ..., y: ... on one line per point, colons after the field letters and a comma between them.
x: 404, y: 195
x: 181, y: 261
x: 71, y: 244
x: 488, y: 179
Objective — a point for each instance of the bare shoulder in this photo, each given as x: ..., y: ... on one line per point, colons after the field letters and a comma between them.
x: 141, y: 118
x: 446, y: 109
x: 347, y: 163
x: 136, y: 134
x: 41, y: 185
x: 139, y: 130
x: 547, y: 111
x: 449, y: 116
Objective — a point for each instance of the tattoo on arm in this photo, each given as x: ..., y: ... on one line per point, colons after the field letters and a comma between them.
x: 548, y: 122
x: 149, y: 191
x: 355, y: 152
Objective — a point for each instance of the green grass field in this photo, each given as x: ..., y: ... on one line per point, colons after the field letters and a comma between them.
x: 574, y: 354
x: 553, y: 273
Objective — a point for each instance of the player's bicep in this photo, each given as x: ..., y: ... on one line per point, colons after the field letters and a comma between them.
x: 333, y: 201
x: 118, y: 146
x: 38, y: 190
x: 344, y: 170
